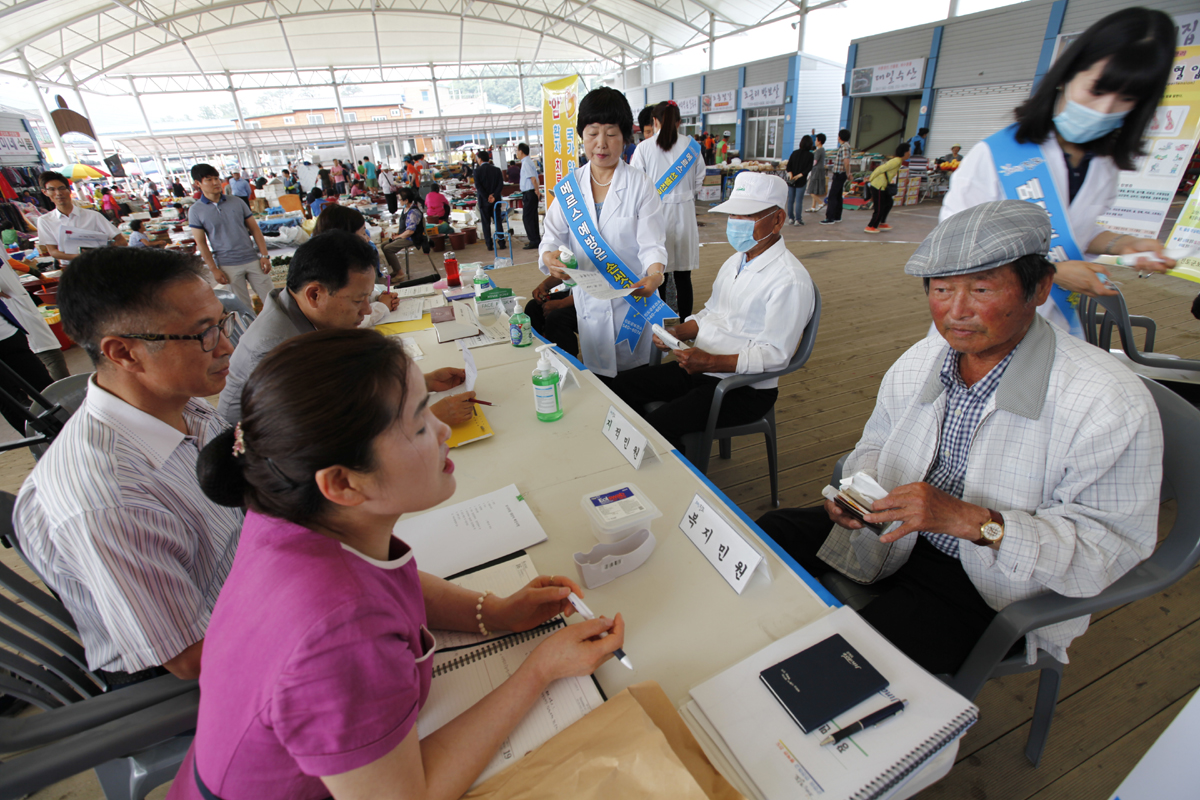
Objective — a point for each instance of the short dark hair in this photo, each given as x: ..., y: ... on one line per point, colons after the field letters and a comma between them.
x: 339, y: 218
x: 112, y: 284
x: 902, y: 149
x: 50, y: 175
x: 1140, y: 46
x: 844, y: 134
x: 1031, y: 269
x: 605, y: 106
x: 922, y: 131
x: 331, y: 192
x: 821, y: 138
x: 350, y: 385
x: 327, y: 258
x: 433, y: 187
x: 806, y: 143
x: 135, y: 224
x: 524, y: 148
x: 202, y: 171
x: 484, y: 155
x: 645, y: 116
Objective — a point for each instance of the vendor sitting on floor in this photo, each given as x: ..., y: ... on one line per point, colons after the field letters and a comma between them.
x: 437, y: 207
x: 761, y: 301
x: 357, y: 189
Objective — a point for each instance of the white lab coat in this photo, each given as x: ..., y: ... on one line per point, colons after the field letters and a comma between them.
x: 679, y: 204
x: 41, y: 338
x: 632, y: 224
x: 976, y: 181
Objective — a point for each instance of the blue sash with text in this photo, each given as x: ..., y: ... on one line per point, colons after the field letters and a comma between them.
x: 681, y: 167
x: 1025, y: 176
x: 646, y: 310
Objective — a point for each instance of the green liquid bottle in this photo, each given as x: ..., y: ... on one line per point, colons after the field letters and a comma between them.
x: 520, y: 328
x: 545, y: 388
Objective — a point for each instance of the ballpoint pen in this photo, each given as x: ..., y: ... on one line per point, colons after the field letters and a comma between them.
x: 586, y: 613
x: 869, y: 721
x: 480, y: 402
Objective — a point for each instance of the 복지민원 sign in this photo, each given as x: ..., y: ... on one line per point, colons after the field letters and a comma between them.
x: 769, y: 94
x: 900, y: 76
x: 688, y: 106
x: 719, y: 101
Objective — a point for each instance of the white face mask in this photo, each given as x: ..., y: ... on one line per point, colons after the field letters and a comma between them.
x: 1079, y: 124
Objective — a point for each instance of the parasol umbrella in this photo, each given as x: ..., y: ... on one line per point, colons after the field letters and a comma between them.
x: 80, y: 171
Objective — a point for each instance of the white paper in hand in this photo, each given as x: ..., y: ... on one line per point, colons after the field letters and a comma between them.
x: 468, y: 367
x: 668, y: 339
x: 596, y: 285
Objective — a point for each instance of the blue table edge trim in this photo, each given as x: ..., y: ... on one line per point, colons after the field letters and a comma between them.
x: 783, y: 555
x: 562, y: 353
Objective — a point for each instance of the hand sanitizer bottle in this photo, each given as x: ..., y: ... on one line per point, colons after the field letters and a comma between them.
x: 520, y: 329
x: 568, y: 258
x: 481, y: 282
x: 545, y: 388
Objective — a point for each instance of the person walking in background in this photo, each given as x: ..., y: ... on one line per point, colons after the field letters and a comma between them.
x: 708, y: 147
x: 228, y: 238
x: 917, y: 143
x: 369, y: 174
x: 841, y: 171
x: 722, y: 148
x: 883, y: 179
x: 799, y: 166
x: 816, y: 179
x: 531, y: 192
x: 339, y: 176
x: 489, y: 184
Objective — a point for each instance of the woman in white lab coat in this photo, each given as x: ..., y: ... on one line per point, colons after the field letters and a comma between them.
x: 622, y: 202
x: 655, y: 156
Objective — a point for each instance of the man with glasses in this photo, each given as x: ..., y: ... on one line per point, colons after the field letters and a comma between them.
x: 112, y: 518
x: 63, y: 230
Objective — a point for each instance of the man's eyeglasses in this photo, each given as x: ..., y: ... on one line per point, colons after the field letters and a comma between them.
x: 208, y: 338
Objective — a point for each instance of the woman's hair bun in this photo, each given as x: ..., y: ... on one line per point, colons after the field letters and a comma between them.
x: 221, y: 474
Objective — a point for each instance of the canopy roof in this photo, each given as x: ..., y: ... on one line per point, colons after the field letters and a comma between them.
x: 180, y: 45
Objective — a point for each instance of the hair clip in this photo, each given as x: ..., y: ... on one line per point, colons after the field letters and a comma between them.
x: 239, y: 441
x: 673, y: 103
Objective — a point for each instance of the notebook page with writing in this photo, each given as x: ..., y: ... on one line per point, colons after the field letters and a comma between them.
x: 463, y: 678
x: 503, y: 579
x: 784, y: 762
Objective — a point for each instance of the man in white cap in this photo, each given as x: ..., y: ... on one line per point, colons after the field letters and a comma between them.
x: 1023, y: 460
x: 761, y: 301
x: 723, y: 148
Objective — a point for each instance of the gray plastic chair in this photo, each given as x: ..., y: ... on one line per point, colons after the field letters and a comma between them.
x: 68, y: 394
x: 1100, y: 315
x: 1170, y: 561
x: 131, y: 737
x: 245, y: 314
x: 698, y: 446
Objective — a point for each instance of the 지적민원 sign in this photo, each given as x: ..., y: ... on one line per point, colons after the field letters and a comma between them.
x: 901, y: 76
x: 723, y: 546
x: 629, y: 441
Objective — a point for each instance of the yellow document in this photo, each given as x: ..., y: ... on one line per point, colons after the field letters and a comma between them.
x: 472, y: 430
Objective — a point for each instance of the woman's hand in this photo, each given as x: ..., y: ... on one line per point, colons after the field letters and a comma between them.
x: 576, y: 650
x: 445, y: 378
x: 1081, y: 276
x: 1131, y: 246
x: 455, y: 410
x: 649, y: 284
x: 543, y: 598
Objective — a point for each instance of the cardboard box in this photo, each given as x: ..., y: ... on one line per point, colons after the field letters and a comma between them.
x: 258, y: 205
x: 712, y: 180
x: 709, y: 193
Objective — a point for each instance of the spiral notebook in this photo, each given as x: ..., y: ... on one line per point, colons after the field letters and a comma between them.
x: 779, y: 760
x: 464, y: 677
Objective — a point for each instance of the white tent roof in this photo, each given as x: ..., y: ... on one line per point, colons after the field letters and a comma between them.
x: 173, y: 45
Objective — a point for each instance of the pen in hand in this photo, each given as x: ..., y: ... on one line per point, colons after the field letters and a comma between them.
x: 586, y: 613
x: 869, y: 721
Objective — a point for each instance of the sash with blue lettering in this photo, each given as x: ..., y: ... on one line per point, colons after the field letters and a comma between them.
x: 646, y: 310
x: 674, y: 175
x: 1025, y: 176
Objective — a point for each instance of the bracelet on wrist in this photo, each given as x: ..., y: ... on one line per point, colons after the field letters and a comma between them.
x: 479, y: 614
x: 1108, y: 249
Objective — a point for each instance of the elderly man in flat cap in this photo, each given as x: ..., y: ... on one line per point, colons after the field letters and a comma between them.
x: 1019, y: 460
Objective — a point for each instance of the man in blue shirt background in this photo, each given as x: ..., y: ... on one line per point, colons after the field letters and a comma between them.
x: 531, y: 192
x: 239, y: 187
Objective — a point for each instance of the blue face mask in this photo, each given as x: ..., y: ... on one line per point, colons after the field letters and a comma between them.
x: 1079, y: 124
x: 740, y: 233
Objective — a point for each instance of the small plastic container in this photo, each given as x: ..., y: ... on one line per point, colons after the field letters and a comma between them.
x: 618, y: 512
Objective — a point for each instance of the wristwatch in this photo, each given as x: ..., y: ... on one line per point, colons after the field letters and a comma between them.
x: 991, y: 531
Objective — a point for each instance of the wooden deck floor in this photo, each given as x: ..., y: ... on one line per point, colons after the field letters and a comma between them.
x: 1133, y: 670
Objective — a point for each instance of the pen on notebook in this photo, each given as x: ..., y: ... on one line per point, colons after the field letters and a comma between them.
x: 586, y: 613
x: 869, y: 721
x: 480, y: 402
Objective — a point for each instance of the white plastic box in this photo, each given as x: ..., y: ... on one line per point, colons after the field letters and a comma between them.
x: 618, y: 511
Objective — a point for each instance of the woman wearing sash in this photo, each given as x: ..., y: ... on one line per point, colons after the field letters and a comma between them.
x: 658, y: 157
x: 1086, y: 121
x: 619, y: 203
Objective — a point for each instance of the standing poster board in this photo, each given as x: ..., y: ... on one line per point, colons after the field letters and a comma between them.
x: 560, y: 114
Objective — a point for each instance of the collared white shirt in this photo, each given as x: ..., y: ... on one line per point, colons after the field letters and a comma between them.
x: 51, y: 224
x: 759, y: 312
x: 113, y: 519
x: 529, y: 174
x: 21, y: 305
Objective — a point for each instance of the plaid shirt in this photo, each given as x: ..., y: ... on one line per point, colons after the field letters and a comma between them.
x: 964, y: 409
x: 841, y: 161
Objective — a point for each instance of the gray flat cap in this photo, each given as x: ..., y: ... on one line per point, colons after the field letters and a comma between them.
x: 981, y: 238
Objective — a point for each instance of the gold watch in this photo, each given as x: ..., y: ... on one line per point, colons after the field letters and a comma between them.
x: 991, y: 531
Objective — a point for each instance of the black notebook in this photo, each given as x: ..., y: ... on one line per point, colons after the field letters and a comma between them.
x: 817, y: 684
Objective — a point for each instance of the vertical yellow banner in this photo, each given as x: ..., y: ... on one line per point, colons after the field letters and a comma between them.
x: 560, y: 145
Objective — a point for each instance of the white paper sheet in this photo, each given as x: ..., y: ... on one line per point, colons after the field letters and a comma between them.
x: 407, y: 311
x: 469, y: 368
x: 597, y: 285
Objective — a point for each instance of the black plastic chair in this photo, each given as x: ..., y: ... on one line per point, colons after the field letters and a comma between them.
x: 698, y: 446
x: 67, y: 395
x: 1099, y: 315
x: 1170, y: 561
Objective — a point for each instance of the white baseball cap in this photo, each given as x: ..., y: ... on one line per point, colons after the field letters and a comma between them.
x: 754, y: 192
x: 727, y: 133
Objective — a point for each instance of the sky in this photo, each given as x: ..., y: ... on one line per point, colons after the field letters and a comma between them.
x: 828, y: 35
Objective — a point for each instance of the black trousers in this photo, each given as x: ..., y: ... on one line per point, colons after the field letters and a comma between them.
x: 684, y: 297
x: 560, y: 326
x: 688, y: 399
x: 529, y: 213
x: 928, y: 608
x: 393, y: 201
x: 15, y: 353
x: 486, y: 210
x: 883, y: 204
x: 833, y: 206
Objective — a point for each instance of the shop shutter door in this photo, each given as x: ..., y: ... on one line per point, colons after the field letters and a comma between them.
x: 687, y: 87
x: 655, y: 94
x: 968, y: 115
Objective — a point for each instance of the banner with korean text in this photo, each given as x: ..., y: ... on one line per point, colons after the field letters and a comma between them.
x: 560, y: 113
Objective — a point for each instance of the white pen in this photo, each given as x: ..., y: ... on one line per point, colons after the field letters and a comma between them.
x: 586, y: 613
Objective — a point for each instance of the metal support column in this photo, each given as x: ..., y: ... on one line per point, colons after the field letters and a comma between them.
x: 86, y: 113
x: 337, y: 96
x: 935, y: 48
x: 712, y: 40
x: 58, y: 142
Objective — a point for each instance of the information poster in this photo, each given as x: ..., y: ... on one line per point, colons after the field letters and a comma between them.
x: 1186, y: 236
x: 560, y: 113
x: 688, y: 106
x: 769, y: 94
x: 901, y: 76
x: 1144, y: 193
x: 719, y: 101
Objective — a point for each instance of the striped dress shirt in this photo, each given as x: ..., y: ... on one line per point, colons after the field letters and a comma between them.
x: 113, y: 519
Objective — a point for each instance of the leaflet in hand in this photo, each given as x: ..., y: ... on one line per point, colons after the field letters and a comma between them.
x: 668, y: 339
x: 596, y: 285
x: 856, y: 496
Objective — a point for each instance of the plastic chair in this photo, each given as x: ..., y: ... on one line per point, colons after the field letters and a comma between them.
x: 67, y: 395
x: 1170, y: 561
x: 245, y: 314
x: 126, y: 736
x: 290, y: 202
x: 697, y: 446
x: 1100, y: 315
